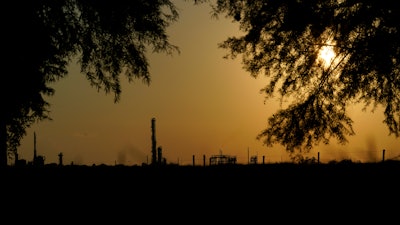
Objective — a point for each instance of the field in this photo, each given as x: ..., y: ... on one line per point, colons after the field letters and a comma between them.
x: 178, y: 192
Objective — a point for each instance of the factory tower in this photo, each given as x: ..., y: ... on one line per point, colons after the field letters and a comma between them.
x: 153, y: 142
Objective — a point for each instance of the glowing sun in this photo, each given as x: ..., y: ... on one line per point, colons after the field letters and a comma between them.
x: 326, y: 55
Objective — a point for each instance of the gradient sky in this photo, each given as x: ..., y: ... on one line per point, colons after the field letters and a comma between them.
x: 203, y: 105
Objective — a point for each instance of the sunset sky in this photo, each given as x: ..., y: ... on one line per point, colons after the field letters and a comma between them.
x: 203, y: 105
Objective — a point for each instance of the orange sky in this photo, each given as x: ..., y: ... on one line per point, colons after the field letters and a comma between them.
x: 203, y: 105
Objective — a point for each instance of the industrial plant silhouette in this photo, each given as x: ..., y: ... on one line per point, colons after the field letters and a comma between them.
x: 158, y: 160
x: 218, y: 169
x: 197, y: 191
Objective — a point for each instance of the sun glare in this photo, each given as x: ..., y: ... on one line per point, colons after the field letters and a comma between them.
x: 326, y: 55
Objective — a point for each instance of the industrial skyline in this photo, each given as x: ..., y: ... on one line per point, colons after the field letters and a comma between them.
x: 157, y: 158
x: 204, y: 105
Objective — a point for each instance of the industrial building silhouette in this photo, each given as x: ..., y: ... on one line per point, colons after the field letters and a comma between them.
x: 37, y: 160
x: 157, y: 158
x: 156, y: 152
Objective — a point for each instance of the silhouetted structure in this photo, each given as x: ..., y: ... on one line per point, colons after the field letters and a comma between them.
x: 156, y: 153
x: 159, y: 155
x: 254, y: 159
x: 38, y: 160
x: 60, y: 159
x: 222, y: 159
x: 153, y: 141
x: 19, y: 162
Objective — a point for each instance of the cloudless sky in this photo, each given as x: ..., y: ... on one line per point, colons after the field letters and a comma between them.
x: 203, y: 104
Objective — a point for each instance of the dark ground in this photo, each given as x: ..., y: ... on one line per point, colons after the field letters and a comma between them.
x: 209, y: 194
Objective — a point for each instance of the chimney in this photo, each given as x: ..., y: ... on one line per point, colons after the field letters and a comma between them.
x: 153, y: 142
x: 159, y: 155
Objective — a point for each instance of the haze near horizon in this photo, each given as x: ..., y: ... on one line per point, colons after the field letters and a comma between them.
x: 203, y: 105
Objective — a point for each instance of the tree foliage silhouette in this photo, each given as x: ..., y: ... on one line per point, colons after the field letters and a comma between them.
x: 283, y: 40
x: 109, y: 38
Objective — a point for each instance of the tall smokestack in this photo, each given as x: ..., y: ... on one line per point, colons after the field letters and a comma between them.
x: 153, y: 142
x: 159, y: 154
